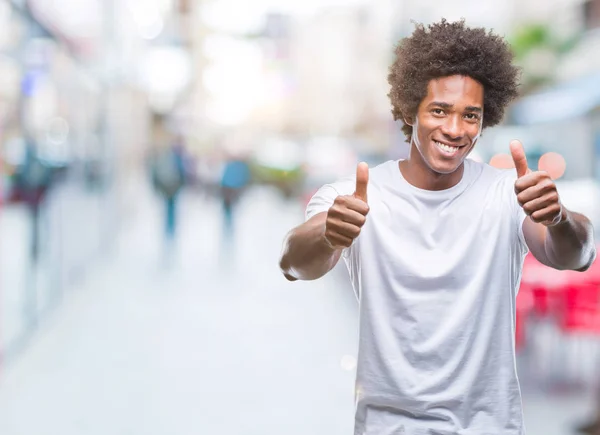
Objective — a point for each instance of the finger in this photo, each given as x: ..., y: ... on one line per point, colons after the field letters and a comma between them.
x: 541, y: 203
x: 547, y: 216
x: 357, y: 205
x: 345, y: 229
x: 337, y: 240
x: 519, y: 158
x: 354, y: 218
x: 539, y: 179
x: 344, y: 204
x: 362, y: 179
x: 535, y: 191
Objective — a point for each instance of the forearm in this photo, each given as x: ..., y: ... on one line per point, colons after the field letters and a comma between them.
x: 570, y: 244
x: 306, y: 255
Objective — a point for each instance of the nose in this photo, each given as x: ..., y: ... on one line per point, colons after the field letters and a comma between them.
x: 453, y: 128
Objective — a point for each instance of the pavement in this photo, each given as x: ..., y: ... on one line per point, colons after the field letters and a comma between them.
x: 204, y: 336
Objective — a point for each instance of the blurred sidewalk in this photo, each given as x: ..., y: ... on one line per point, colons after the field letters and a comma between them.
x: 213, y: 341
x: 216, y: 341
x: 70, y: 239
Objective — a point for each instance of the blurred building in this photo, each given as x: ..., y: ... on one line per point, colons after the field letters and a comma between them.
x: 563, y: 115
x: 80, y: 81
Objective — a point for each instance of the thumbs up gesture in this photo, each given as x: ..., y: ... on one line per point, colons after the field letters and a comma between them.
x: 536, y: 192
x: 348, y: 213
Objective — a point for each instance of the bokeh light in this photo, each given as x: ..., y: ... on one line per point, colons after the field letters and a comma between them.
x: 554, y: 164
x: 502, y: 161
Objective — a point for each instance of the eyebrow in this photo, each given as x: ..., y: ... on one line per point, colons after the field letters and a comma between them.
x: 450, y: 106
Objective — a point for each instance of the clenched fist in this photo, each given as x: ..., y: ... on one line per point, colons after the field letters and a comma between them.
x: 536, y: 192
x: 348, y: 213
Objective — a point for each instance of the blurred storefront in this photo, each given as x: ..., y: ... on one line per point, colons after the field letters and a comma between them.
x: 73, y: 124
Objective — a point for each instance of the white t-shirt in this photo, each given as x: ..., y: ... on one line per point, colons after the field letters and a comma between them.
x: 436, y: 274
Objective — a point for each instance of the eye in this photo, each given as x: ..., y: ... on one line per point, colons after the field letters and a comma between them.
x: 437, y: 111
x: 472, y: 116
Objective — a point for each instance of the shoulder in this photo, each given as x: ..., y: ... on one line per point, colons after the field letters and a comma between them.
x: 383, y: 172
x: 377, y: 174
x: 495, y: 185
x: 484, y: 173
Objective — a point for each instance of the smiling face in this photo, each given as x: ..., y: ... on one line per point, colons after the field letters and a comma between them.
x: 447, y: 124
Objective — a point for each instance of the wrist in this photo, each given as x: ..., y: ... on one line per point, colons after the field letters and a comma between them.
x: 323, y: 241
x: 562, y: 220
x: 326, y: 244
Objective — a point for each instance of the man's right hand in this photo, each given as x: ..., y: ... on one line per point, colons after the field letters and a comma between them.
x: 348, y: 213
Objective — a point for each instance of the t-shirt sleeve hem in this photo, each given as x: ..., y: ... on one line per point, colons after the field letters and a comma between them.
x: 521, y: 220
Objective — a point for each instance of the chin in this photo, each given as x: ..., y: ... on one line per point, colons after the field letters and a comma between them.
x: 445, y: 167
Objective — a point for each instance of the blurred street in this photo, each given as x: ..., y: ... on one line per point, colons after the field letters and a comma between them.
x: 154, y: 153
x: 213, y: 341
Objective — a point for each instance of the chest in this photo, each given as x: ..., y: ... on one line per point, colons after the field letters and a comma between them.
x: 441, y: 241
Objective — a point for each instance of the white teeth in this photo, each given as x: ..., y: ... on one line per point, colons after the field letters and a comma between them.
x: 446, y: 148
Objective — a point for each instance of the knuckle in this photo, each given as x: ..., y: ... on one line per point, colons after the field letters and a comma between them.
x: 542, y: 175
x: 529, y: 208
x: 336, y: 210
x: 330, y: 221
x: 539, y: 216
x: 535, y: 218
x: 340, y: 200
x: 548, y: 184
x: 520, y: 185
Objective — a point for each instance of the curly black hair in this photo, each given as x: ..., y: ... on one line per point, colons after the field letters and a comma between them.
x: 444, y: 49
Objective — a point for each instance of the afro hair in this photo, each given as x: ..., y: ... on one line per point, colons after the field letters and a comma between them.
x: 444, y: 49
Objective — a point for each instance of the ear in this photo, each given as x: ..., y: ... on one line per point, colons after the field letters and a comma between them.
x: 408, y: 120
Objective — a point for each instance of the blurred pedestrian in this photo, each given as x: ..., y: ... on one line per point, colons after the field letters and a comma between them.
x: 234, y: 180
x: 32, y: 180
x: 435, y: 245
x: 169, y: 176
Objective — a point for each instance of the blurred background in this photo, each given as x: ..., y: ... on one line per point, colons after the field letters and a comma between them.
x: 153, y: 154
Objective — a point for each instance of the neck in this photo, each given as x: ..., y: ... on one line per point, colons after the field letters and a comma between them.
x: 418, y: 173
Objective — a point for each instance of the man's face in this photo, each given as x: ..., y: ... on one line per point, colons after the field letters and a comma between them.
x: 448, y: 122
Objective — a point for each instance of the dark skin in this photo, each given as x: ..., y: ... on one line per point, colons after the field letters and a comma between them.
x: 446, y: 128
x: 313, y: 248
x: 450, y: 114
x: 557, y: 237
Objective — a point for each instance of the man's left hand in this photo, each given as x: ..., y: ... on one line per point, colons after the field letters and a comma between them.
x: 536, y: 192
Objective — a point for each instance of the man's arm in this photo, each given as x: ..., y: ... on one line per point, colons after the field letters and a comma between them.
x: 306, y: 254
x: 568, y: 245
x: 556, y: 237
x: 314, y: 248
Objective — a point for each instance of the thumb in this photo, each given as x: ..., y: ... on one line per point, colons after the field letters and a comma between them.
x: 518, y: 155
x: 362, y: 179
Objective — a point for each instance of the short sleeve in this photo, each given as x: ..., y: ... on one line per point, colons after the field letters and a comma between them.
x: 517, y: 211
x: 323, y: 199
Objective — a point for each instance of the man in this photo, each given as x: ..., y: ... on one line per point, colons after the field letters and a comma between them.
x: 442, y: 242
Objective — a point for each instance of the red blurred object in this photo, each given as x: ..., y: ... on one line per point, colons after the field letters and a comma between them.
x: 582, y: 309
x: 569, y: 297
